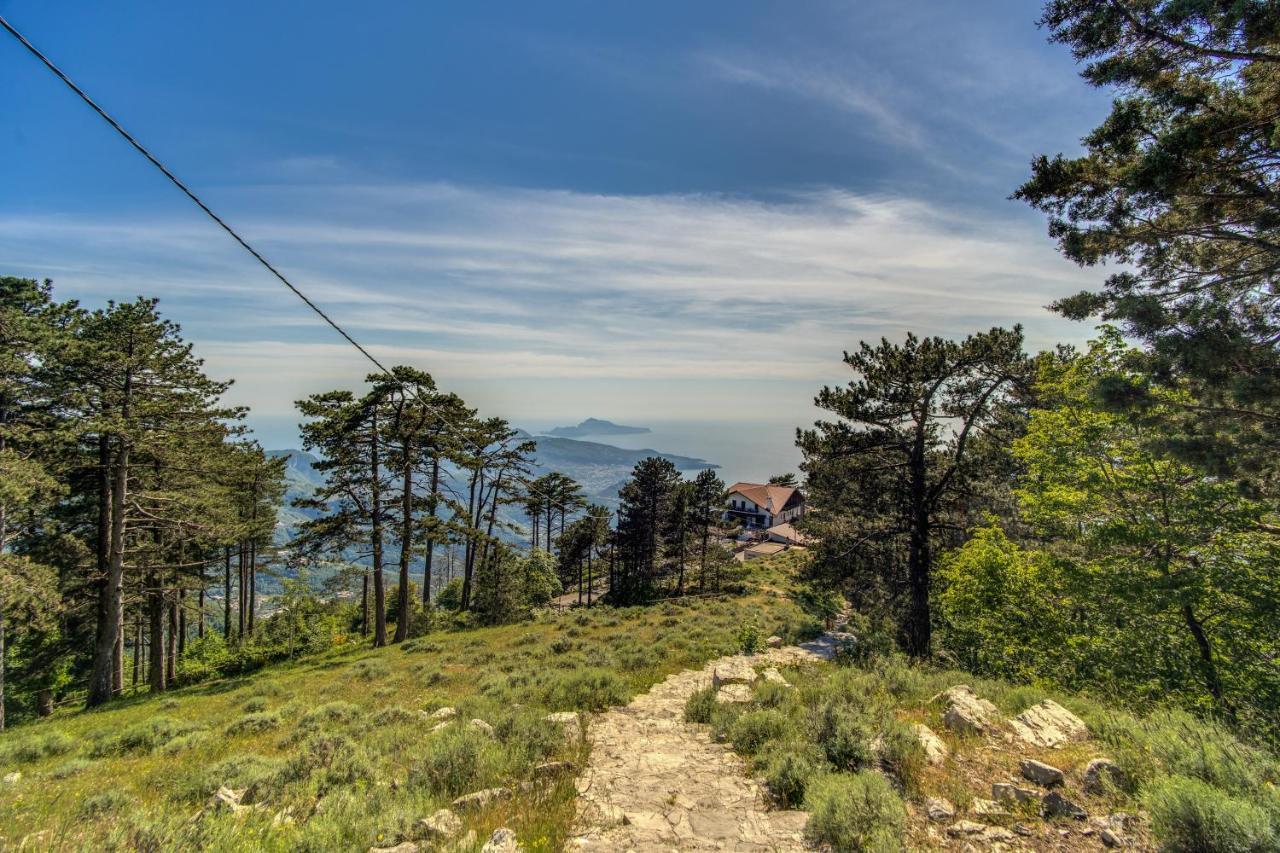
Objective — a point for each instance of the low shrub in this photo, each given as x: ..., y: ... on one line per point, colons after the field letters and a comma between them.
x: 329, y: 714
x: 35, y: 747
x: 254, y: 704
x: 749, y: 638
x: 329, y: 761
x: 752, y: 730
x: 700, y: 706
x: 254, y: 723
x: 1191, y: 815
x: 146, y: 736
x: 369, y: 670
x: 587, y: 689
x: 106, y: 803
x: 184, y: 742
x: 845, y: 736
x: 858, y: 812
x: 902, y: 755
x: 788, y: 770
x: 69, y: 768
x: 257, y: 774
x: 457, y: 760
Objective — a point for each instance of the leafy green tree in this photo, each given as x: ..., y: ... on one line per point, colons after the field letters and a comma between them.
x: 1177, y: 188
x: 644, y: 522
x: 1170, y: 566
x: 706, y: 502
x: 892, y: 476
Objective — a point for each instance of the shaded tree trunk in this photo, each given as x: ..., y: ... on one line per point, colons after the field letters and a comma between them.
x: 155, y: 635
x: 432, y: 499
x: 379, y: 584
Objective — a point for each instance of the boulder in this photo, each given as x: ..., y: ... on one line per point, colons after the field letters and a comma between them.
x: 966, y: 713
x: 939, y: 809
x: 553, y: 769
x: 441, y: 726
x: 772, y: 676
x: 734, y: 670
x: 966, y: 827
x: 987, y: 808
x: 443, y: 714
x: 1101, y: 775
x: 442, y: 825
x: 935, y: 751
x: 481, y: 799
x: 481, y: 726
x: 570, y: 722
x: 733, y: 694
x: 12, y: 778
x: 1048, y: 725
x: 1040, y: 773
x: 1007, y: 792
x: 503, y: 840
x: 774, y: 642
x: 226, y: 799
x: 1056, y: 805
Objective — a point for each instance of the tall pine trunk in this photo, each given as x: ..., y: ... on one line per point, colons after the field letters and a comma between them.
x: 403, y: 608
x: 155, y: 635
x: 431, y: 532
x: 379, y: 585
x: 101, y: 676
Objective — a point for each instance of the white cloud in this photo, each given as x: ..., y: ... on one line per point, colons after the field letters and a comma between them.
x: 529, y: 286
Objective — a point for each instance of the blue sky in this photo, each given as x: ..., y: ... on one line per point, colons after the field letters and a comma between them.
x: 660, y: 210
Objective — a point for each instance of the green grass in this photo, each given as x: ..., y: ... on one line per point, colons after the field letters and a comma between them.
x: 334, y: 751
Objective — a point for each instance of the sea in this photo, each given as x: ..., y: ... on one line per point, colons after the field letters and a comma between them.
x: 750, y: 451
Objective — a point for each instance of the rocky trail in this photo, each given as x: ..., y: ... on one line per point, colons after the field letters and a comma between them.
x: 655, y: 782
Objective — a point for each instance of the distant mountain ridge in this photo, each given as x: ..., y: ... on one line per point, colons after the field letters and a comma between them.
x: 596, y: 426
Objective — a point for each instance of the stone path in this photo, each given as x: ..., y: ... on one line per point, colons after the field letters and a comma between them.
x: 655, y: 782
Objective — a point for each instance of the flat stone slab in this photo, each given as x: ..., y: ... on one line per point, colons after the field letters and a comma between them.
x: 1048, y: 725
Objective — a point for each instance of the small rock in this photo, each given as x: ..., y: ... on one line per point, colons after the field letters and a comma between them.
x: 441, y: 825
x: 997, y: 834
x: 1101, y: 775
x: 1040, y: 773
x: 1111, y: 838
x: 226, y: 799
x: 503, y: 840
x: 480, y: 799
x: 403, y: 847
x: 570, y: 721
x: 553, y: 769
x: 986, y: 808
x: 772, y: 676
x: 939, y: 809
x: 935, y: 751
x: 733, y: 693
x: 1007, y: 792
x: 734, y: 670
x: 12, y: 778
x: 774, y: 642
x: 481, y: 726
x: 965, y: 827
x: 1023, y: 829
x: 445, y: 713
x: 1048, y: 725
x: 1056, y: 805
x: 966, y: 713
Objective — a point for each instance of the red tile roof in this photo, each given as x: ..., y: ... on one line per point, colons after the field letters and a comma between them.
x: 772, y: 498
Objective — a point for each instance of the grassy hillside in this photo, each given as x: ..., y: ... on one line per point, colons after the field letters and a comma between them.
x: 334, y: 750
x: 337, y: 752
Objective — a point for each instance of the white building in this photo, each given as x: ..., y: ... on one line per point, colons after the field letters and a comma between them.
x: 761, y: 505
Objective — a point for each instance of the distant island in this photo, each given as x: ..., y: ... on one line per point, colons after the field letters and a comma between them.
x: 595, y: 426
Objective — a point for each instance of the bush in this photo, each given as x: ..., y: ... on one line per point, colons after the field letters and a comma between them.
x: 35, y: 747
x: 700, y: 706
x: 845, y: 737
x: 146, y: 736
x: 69, y: 768
x: 184, y: 742
x: 752, y: 730
x: 857, y: 812
x: 254, y: 704
x: 329, y: 760
x: 108, y: 802
x: 458, y: 760
x: 255, y: 773
x: 588, y: 689
x: 254, y: 723
x: 749, y: 638
x: 788, y: 770
x: 903, y: 755
x: 331, y: 713
x: 1190, y: 815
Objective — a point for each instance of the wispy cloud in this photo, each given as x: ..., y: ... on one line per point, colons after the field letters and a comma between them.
x: 526, y: 286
